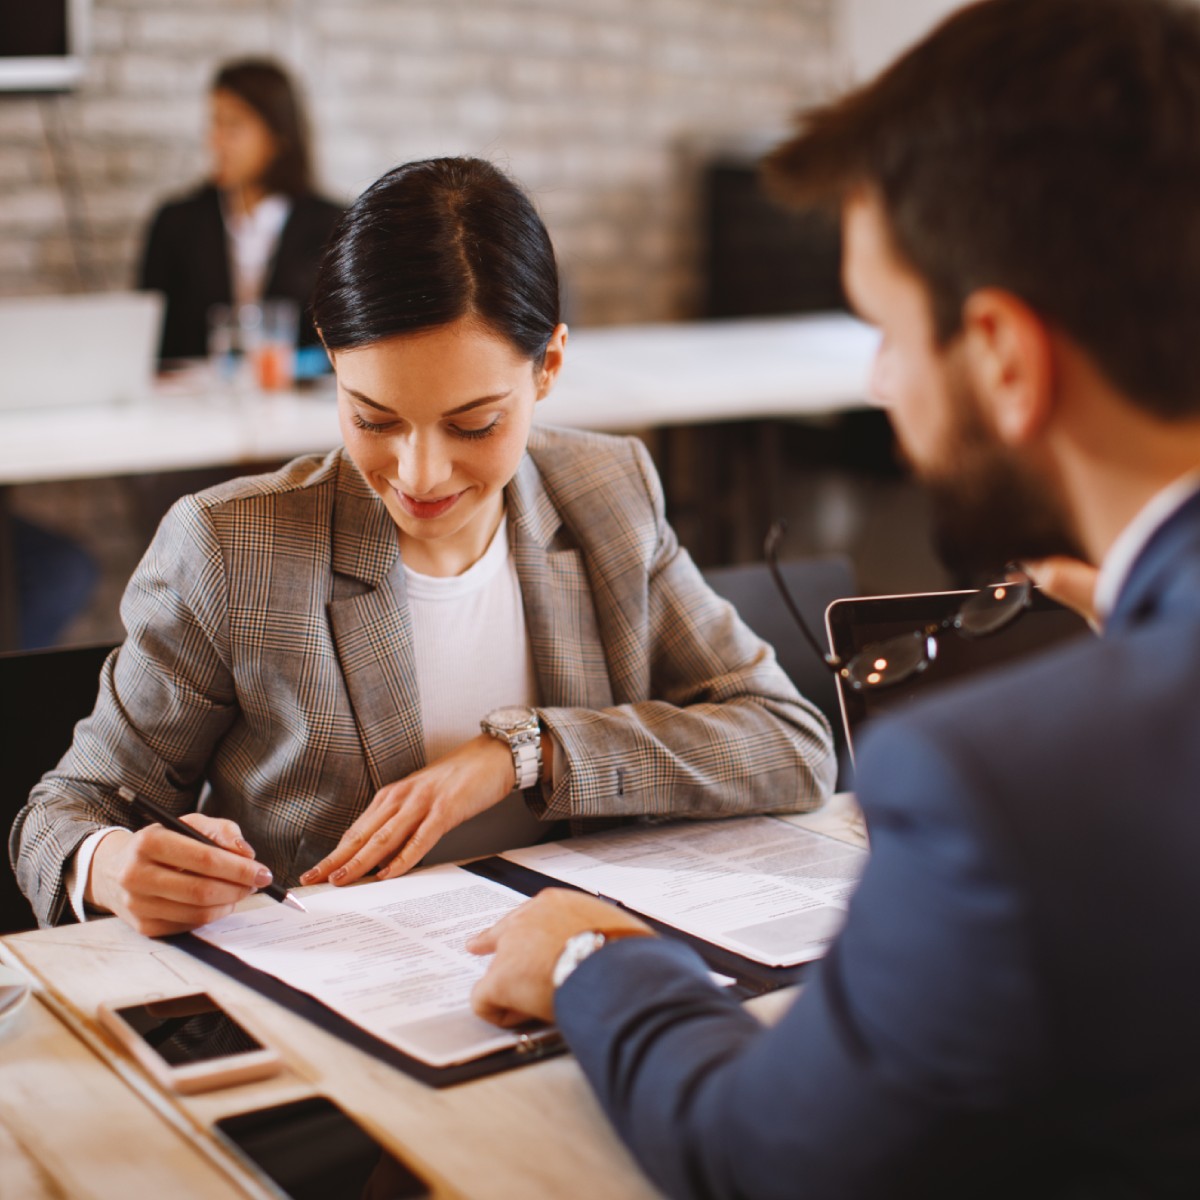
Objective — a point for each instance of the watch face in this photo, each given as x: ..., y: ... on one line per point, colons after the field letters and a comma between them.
x: 514, y: 716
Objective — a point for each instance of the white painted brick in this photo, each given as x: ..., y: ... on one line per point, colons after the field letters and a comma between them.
x: 19, y: 119
x: 203, y: 26
x: 108, y: 28
x: 125, y: 117
x: 593, y: 104
x: 162, y: 74
x: 374, y: 23
x: 34, y: 209
x: 17, y: 257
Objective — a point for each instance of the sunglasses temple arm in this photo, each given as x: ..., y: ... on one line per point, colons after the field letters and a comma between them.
x: 830, y: 660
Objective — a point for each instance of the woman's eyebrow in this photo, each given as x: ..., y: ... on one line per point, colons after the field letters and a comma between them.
x: 453, y: 412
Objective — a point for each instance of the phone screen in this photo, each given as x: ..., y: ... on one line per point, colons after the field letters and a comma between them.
x: 188, y: 1029
x: 312, y: 1150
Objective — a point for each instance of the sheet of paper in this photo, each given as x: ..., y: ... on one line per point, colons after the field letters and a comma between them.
x: 388, y: 956
x: 761, y: 887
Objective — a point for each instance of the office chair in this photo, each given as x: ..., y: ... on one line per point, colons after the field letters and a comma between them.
x: 814, y: 583
x: 42, y: 695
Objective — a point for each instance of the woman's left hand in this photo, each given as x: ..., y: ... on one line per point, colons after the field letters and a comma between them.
x: 407, y: 818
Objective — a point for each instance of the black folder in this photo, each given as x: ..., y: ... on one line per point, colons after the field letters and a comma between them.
x: 751, y: 979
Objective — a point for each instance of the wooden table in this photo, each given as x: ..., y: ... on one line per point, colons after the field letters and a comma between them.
x: 77, y: 1119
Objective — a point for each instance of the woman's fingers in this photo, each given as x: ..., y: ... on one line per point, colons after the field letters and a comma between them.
x: 161, y: 882
x: 227, y: 834
x: 372, y: 838
x: 382, y: 843
x: 405, y: 820
x: 414, y: 848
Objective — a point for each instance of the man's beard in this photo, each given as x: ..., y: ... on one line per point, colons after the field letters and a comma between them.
x: 989, y: 507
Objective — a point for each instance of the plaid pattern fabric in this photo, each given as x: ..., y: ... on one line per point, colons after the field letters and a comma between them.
x: 268, y: 673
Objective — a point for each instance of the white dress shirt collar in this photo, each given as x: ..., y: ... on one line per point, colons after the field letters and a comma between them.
x: 1134, y: 538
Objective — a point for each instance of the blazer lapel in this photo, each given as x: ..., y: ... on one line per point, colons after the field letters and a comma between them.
x: 1166, y: 575
x: 372, y: 631
x: 212, y: 246
x: 560, y: 615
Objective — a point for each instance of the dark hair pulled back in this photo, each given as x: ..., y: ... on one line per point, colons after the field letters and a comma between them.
x: 434, y: 241
x: 266, y: 87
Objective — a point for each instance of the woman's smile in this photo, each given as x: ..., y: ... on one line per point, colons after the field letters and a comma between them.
x: 426, y: 510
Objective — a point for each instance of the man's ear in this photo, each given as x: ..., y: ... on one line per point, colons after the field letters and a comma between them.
x: 1009, y: 358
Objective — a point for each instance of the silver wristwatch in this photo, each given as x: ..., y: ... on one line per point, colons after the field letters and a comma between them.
x: 583, y: 945
x: 520, y: 728
x: 578, y: 947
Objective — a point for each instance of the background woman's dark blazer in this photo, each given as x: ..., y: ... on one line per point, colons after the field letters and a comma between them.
x: 187, y: 258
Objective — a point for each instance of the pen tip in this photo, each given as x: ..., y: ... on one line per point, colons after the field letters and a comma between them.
x: 291, y: 900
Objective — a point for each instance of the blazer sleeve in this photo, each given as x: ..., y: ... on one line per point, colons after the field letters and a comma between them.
x: 721, y: 729
x: 165, y: 698
x: 908, y: 1040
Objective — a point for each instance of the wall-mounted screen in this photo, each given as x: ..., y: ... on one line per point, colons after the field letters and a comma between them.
x: 42, y: 44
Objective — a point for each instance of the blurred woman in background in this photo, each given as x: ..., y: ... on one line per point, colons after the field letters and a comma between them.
x: 256, y: 229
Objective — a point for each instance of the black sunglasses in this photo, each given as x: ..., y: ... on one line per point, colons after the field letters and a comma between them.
x: 895, y: 659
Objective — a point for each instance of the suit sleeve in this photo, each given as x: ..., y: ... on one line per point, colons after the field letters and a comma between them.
x: 165, y: 697
x: 722, y: 729
x: 919, y: 1025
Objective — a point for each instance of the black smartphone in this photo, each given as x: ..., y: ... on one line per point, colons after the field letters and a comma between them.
x: 311, y: 1149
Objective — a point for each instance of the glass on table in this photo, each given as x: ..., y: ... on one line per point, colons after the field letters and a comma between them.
x: 269, y: 332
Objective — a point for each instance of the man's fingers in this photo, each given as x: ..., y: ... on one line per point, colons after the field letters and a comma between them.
x: 484, y: 942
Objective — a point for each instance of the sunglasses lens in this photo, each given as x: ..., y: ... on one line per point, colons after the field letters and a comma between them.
x: 890, y: 662
x: 992, y: 608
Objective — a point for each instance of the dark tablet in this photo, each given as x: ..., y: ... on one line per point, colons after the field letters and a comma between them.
x: 858, y: 622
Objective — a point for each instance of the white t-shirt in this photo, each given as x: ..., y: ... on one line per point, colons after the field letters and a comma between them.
x: 472, y: 654
x: 253, y: 237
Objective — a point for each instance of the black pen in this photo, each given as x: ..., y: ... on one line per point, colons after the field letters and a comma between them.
x: 149, y: 809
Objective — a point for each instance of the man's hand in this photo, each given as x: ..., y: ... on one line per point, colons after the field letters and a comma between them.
x: 527, y: 943
x: 161, y: 882
x: 1069, y: 581
x: 406, y: 819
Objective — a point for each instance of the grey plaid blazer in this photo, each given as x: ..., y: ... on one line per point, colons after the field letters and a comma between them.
x: 269, y: 656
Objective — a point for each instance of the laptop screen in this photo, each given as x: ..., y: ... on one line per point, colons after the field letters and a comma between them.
x: 858, y: 622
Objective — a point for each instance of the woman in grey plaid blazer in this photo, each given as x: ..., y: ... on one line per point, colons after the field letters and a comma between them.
x: 269, y: 666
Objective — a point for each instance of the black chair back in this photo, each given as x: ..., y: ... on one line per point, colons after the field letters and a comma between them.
x: 43, y: 693
x: 814, y: 584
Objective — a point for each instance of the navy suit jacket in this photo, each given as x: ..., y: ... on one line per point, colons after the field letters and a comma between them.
x: 1013, y: 1006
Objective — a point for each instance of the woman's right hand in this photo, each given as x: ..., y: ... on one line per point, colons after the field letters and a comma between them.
x: 161, y: 882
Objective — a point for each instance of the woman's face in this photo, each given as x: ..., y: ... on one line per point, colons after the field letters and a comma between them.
x: 437, y: 423
x: 242, y: 145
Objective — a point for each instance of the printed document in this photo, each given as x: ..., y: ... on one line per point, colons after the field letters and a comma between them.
x: 755, y: 885
x: 389, y: 956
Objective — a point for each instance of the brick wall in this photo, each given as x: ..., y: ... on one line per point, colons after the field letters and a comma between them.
x: 604, y: 109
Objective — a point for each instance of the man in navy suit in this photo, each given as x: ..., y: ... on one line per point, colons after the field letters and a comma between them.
x: 1013, y: 1006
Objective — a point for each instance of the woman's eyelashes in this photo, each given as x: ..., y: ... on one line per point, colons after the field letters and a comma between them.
x: 480, y: 432
x: 361, y: 422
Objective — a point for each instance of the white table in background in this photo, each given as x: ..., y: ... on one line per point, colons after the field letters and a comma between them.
x: 619, y: 378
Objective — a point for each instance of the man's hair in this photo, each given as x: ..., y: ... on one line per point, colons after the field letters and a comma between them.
x: 1050, y: 148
